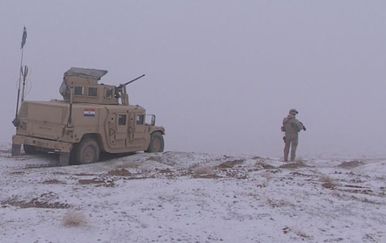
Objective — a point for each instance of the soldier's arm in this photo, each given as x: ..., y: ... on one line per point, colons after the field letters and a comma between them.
x: 298, y: 125
x: 302, y: 125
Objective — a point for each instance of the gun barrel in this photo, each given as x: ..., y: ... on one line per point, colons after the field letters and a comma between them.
x: 133, y: 80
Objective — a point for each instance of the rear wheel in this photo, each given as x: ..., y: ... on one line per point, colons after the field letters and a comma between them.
x: 87, y: 151
x: 29, y: 149
x: 156, y: 143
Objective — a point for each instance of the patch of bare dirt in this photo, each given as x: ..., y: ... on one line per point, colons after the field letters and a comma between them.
x: 107, y: 182
x: 164, y: 171
x: 350, y: 164
x: 37, y: 166
x: 357, y: 189
x: 237, y: 174
x: 155, y: 158
x: 361, y: 191
x: 361, y: 199
x: 299, y: 233
x: 278, y: 203
x: 296, y: 173
x: 293, y: 165
x: 230, y: 163
x: 53, y: 181
x: 43, y: 201
x: 204, y: 172
x: 119, y: 172
x: 264, y: 165
x: 17, y: 173
x: 85, y: 174
x: 59, y: 173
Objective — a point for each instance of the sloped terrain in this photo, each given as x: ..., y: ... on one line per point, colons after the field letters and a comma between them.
x: 191, y: 197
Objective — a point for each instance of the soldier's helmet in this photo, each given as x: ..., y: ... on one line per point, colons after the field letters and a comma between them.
x: 293, y: 112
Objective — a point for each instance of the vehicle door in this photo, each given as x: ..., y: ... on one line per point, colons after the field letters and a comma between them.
x: 117, y: 126
x: 140, y: 132
x: 122, y: 126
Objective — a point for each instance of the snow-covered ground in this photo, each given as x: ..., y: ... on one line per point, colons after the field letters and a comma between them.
x: 192, y: 197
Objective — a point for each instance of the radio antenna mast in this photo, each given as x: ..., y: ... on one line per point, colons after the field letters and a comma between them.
x: 21, y: 73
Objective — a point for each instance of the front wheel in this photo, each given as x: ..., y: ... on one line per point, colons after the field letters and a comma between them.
x: 156, y: 143
x: 87, y: 151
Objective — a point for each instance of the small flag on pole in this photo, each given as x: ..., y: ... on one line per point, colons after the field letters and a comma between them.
x: 24, y: 38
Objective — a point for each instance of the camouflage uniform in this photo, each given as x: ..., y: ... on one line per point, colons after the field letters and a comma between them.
x: 291, y: 127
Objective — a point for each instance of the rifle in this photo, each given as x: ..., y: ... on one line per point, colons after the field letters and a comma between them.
x: 304, y: 128
x: 118, y: 89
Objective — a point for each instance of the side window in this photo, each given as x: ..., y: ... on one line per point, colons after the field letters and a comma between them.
x: 109, y: 93
x: 78, y: 90
x: 92, y: 91
x: 140, y: 119
x: 121, y: 120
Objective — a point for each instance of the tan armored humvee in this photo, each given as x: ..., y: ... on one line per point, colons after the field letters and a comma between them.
x: 92, y: 118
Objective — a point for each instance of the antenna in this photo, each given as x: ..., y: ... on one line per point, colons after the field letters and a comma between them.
x: 23, y: 40
x: 24, y: 73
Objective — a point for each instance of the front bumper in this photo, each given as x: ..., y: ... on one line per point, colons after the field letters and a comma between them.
x: 42, y: 143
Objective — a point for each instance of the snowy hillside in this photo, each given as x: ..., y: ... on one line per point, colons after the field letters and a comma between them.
x: 191, y: 197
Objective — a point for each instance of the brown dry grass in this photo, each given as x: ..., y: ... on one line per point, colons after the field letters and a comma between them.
x: 53, y: 181
x: 97, y: 182
x: 274, y: 203
x: 350, y: 164
x: 328, y: 182
x: 119, y: 172
x: 293, y: 165
x: 84, y: 174
x: 155, y: 158
x: 203, y: 172
x: 34, y: 203
x: 17, y: 173
x: 264, y: 165
x: 230, y: 163
x: 74, y: 219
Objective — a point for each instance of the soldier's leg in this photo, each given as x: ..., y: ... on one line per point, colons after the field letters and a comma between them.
x: 294, y: 145
x: 286, y: 148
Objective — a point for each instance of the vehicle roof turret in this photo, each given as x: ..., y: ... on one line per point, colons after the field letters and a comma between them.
x: 86, y: 73
x: 80, y: 85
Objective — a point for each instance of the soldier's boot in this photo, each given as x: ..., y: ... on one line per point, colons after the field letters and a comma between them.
x: 16, y: 148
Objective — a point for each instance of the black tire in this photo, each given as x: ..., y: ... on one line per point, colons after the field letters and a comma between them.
x: 29, y: 149
x: 87, y: 151
x: 156, y: 143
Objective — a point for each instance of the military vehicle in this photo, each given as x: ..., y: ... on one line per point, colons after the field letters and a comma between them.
x: 92, y: 118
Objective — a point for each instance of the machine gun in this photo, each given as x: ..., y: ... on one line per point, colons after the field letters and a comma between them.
x: 121, y: 89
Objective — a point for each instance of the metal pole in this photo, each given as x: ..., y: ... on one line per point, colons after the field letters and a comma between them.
x: 24, y: 73
x: 15, y: 121
x: 23, y: 40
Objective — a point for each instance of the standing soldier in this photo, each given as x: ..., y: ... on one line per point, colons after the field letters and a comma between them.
x: 291, y: 127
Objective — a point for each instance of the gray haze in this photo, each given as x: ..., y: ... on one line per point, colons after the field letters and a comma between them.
x: 221, y: 75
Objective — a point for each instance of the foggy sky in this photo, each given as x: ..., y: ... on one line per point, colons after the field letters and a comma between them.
x: 220, y: 75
